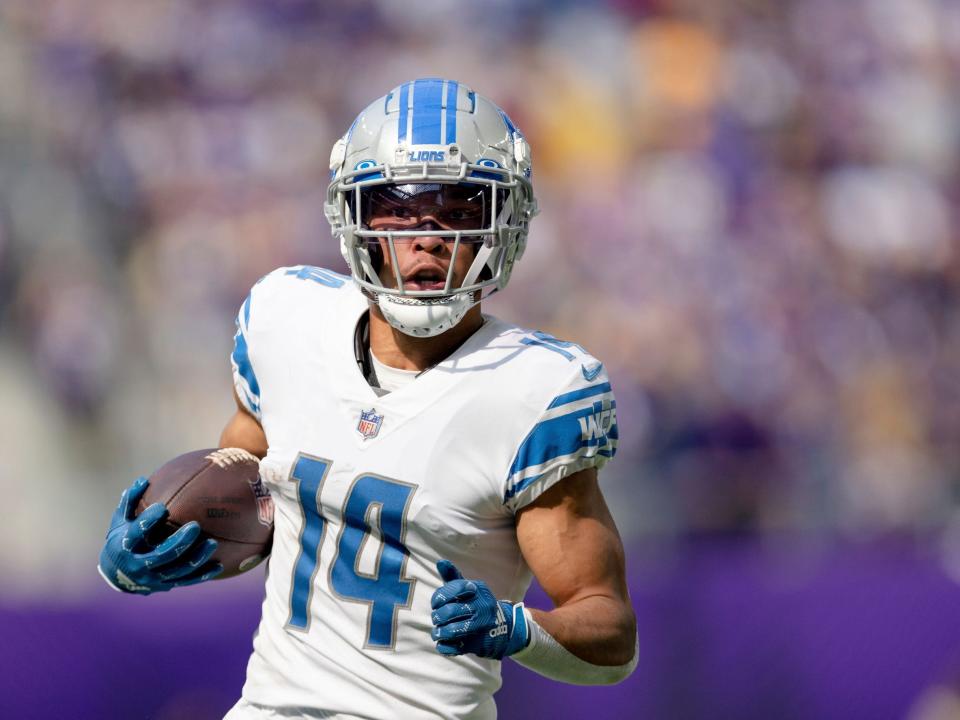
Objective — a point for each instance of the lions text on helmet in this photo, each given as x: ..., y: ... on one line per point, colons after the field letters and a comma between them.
x: 431, y: 200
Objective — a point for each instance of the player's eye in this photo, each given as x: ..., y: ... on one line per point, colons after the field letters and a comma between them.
x: 462, y: 216
x: 459, y: 214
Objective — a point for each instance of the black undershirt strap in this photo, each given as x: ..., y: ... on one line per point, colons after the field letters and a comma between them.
x: 361, y: 349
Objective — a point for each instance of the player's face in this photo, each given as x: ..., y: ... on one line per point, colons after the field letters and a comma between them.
x: 425, y: 260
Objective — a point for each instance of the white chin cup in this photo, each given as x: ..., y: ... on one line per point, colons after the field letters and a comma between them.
x: 420, y: 318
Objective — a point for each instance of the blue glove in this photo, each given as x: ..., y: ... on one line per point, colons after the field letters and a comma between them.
x: 467, y: 618
x: 130, y: 563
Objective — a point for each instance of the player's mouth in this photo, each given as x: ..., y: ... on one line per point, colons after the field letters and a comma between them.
x: 432, y: 278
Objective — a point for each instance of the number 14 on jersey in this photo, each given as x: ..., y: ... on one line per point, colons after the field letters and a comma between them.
x: 375, y: 509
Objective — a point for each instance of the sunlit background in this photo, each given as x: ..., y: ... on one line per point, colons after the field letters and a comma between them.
x: 749, y: 213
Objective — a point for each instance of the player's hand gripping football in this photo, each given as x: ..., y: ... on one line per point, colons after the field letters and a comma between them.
x: 467, y: 618
x: 130, y: 563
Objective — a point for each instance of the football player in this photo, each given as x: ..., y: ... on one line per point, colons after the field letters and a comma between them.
x: 425, y: 460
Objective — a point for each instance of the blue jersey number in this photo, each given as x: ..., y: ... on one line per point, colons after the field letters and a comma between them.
x: 542, y: 339
x: 376, y: 507
x: 318, y: 275
x: 309, y: 474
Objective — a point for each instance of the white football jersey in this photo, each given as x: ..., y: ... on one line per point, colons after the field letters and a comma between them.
x: 371, y: 491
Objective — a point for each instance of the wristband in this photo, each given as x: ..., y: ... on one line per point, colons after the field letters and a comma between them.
x: 545, y: 656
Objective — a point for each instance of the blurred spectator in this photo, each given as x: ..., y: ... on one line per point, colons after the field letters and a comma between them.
x: 749, y: 214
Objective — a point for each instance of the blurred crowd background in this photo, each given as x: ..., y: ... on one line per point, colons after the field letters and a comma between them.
x: 749, y: 213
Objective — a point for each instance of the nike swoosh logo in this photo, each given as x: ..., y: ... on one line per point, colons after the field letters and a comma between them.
x: 591, y: 374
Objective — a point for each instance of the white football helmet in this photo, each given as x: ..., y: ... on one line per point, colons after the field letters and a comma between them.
x: 421, y: 136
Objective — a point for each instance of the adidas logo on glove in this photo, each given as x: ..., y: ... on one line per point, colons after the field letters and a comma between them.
x: 501, y: 628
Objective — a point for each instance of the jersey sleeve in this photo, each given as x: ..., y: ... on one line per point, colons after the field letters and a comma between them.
x: 577, y: 430
x: 272, y: 310
x: 244, y: 377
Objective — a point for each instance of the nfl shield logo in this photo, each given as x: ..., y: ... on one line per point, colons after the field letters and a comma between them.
x: 264, y: 502
x: 369, y: 424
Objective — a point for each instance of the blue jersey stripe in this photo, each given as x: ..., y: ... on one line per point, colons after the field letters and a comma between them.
x: 521, y: 486
x: 527, y: 482
x: 403, y: 102
x: 246, y: 313
x: 560, y: 436
x: 579, y: 394
x: 427, y: 108
x: 450, y: 131
x: 251, y: 404
x: 241, y: 358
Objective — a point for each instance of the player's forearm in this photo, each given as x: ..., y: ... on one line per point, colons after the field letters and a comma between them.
x: 597, y: 629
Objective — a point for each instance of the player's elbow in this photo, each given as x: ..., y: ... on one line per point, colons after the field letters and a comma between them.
x: 619, y: 658
x: 622, y: 648
x: 624, y: 658
x: 614, y: 643
x: 615, y: 672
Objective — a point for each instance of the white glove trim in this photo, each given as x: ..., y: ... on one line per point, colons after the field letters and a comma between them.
x: 108, y: 580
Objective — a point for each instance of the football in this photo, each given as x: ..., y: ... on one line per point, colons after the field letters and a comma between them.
x: 220, y: 489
